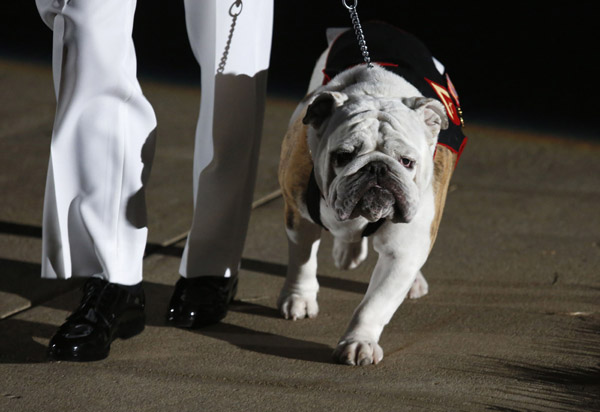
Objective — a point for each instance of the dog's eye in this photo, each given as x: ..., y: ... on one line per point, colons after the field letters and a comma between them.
x: 341, y: 159
x: 406, y: 162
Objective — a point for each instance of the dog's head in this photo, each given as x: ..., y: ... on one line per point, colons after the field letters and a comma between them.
x: 373, y: 156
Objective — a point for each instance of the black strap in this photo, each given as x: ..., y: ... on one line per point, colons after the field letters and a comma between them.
x: 313, y: 204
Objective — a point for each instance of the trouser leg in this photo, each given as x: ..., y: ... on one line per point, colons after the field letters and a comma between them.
x: 229, y: 129
x: 102, y: 144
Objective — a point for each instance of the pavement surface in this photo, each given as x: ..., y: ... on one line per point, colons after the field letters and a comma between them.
x: 511, y: 323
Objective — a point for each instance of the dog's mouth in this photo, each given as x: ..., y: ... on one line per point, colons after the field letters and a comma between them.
x: 374, y: 196
x: 376, y: 203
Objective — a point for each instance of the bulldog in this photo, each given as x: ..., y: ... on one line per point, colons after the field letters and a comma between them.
x: 369, y: 152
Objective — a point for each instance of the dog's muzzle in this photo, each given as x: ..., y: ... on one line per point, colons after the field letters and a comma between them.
x: 374, y: 193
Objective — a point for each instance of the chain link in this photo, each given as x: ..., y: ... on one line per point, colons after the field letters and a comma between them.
x: 234, y: 11
x: 360, y: 37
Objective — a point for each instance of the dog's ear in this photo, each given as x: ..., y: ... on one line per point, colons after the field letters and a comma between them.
x: 322, y: 107
x: 432, y: 111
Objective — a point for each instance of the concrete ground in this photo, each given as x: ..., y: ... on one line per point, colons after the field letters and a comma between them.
x: 511, y: 322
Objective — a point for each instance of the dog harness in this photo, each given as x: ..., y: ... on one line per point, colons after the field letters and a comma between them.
x: 403, y: 54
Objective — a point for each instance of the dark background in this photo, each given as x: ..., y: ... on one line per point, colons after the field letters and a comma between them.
x: 514, y: 63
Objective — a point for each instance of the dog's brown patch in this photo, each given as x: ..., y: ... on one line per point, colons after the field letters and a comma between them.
x: 295, y: 167
x: 443, y: 167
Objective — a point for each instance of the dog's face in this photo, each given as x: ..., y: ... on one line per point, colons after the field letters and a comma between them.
x: 373, y: 156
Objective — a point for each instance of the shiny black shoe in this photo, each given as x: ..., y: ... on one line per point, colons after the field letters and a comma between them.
x: 200, y: 301
x: 106, y: 312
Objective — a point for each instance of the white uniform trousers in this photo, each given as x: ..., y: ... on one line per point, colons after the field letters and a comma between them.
x: 102, y: 145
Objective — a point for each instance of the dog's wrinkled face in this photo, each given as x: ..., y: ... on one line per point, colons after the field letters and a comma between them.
x: 373, y: 156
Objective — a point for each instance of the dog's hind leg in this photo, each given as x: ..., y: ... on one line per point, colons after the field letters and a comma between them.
x: 419, y: 287
x: 349, y: 255
x: 298, y: 297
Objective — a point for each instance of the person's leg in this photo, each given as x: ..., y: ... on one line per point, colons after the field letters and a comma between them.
x: 231, y: 41
x: 94, y: 221
x: 102, y: 145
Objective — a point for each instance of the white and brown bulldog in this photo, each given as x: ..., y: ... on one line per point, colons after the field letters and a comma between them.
x: 364, y: 155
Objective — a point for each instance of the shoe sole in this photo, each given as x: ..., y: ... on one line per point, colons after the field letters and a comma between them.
x: 197, y: 323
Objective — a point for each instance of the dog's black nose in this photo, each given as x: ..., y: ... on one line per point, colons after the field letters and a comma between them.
x: 378, y: 168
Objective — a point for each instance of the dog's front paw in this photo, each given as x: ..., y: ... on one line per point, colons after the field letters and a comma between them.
x: 419, y: 288
x: 358, y: 352
x: 295, y: 306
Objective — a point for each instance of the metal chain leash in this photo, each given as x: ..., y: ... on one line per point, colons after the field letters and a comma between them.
x: 359, y: 32
x: 234, y: 11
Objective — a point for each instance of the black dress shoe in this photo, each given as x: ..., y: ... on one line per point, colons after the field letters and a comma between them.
x: 200, y: 301
x: 106, y: 312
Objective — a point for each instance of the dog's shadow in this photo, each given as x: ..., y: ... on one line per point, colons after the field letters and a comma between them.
x: 269, y: 343
x: 242, y: 337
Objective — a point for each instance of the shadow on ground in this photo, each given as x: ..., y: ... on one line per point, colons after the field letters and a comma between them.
x: 542, y: 387
x: 25, y: 342
x: 21, y: 339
